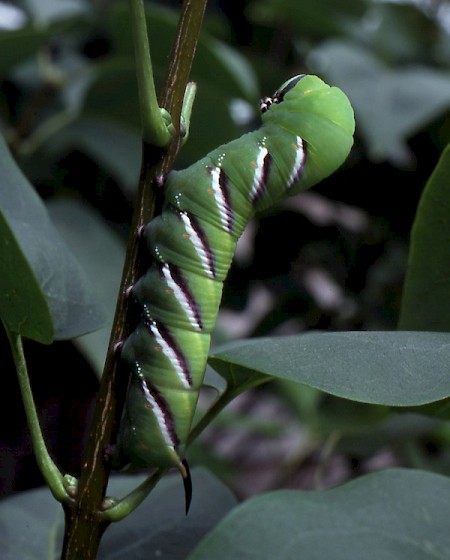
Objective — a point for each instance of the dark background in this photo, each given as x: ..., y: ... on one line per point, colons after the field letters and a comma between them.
x: 332, y: 259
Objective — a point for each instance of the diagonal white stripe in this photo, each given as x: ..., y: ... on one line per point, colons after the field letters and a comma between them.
x: 225, y: 211
x: 181, y: 297
x: 170, y: 354
x: 158, y: 412
x: 198, y: 244
x: 298, y: 163
x: 258, y: 176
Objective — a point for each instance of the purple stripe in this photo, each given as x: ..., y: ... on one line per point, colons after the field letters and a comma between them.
x: 182, y: 284
x: 201, y: 236
x: 261, y: 187
x: 169, y: 421
x: 181, y: 361
x: 225, y: 190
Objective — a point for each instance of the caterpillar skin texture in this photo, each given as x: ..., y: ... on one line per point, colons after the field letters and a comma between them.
x: 306, y: 134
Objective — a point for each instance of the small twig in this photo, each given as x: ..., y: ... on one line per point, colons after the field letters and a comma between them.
x: 134, y: 498
x: 230, y: 393
x: 182, y: 56
x: 49, y: 470
x: 154, y: 128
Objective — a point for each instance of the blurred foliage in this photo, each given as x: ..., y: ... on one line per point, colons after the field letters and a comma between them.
x: 332, y: 259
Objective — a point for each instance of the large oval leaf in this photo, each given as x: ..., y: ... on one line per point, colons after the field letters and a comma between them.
x: 23, y: 305
x: 388, y: 368
x: 426, y: 293
x: 39, y: 274
x: 91, y: 240
x: 391, y: 515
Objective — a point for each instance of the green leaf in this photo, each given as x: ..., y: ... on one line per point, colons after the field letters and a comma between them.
x: 312, y: 17
x: 389, y: 103
x: 101, y: 253
x: 391, y: 515
x: 41, y: 282
x: 426, y: 292
x: 32, y: 522
x: 387, y: 368
x: 23, y: 305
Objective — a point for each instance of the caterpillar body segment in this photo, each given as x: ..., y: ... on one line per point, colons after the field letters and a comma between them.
x: 306, y: 134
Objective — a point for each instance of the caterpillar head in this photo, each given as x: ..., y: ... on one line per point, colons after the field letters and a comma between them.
x: 266, y: 102
x: 307, y: 108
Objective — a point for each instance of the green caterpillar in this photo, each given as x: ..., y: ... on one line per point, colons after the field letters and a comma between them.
x: 307, y: 133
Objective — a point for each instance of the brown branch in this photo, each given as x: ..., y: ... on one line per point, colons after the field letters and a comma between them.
x: 83, y: 526
x: 182, y: 56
